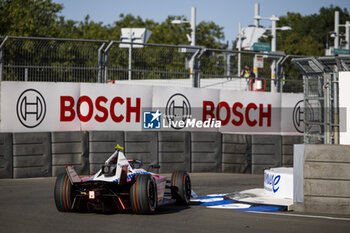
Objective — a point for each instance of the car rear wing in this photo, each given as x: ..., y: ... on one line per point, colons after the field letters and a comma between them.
x: 73, y: 175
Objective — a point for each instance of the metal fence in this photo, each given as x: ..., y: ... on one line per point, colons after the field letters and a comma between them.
x: 321, y: 97
x: 99, y: 61
x: 144, y: 62
x: 73, y: 60
x: 50, y: 60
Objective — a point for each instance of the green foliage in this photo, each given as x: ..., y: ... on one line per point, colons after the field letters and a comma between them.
x: 210, y: 35
x: 309, y: 37
x: 40, y: 18
x: 309, y: 33
x: 29, y: 18
x: 168, y: 33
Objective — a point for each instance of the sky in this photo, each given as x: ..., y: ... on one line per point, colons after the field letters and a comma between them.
x: 225, y: 13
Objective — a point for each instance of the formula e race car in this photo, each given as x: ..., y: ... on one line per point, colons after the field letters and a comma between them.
x: 120, y: 184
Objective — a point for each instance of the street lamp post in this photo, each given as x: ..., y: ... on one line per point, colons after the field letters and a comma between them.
x: 193, y: 26
x: 256, y: 14
x: 336, y: 29
x: 239, y: 49
x: 337, y: 34
x: 273, y: 49
x: 191, y: 38
x: 273, y: 29
x: 274, y: 19
x: 347, y: 34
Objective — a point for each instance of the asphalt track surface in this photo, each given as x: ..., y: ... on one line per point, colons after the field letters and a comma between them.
x: 27, y: 205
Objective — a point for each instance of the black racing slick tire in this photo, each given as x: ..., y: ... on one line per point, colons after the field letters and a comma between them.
x: 181, y: 187
x: 143, y: 194
x: 63, y: 193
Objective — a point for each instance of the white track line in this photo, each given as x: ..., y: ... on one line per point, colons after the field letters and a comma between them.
x: 300, y: 215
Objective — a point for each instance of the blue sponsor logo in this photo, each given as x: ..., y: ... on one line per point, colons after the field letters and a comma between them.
x: 272, y: 180
x: 130, y: 176
x: 151, y: 120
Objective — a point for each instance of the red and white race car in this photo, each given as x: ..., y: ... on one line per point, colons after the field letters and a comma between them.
x: 120, y: 184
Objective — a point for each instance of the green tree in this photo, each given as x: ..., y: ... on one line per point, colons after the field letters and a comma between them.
x: 308, y: 37
x: 88, y: 29
x: 168, y: 33
x: 208, y: 34
x: 310, y: 33
x: 39, y: 18
x: 29, y: 18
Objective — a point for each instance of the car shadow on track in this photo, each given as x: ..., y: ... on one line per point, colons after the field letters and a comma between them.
x: 170, y: 209
x: 161, y: 210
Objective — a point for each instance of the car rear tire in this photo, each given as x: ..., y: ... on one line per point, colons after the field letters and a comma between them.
x: 63, y: 193
x: 181, y: 187
x: 143, y: 194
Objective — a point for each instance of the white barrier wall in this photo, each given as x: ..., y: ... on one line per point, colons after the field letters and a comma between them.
x: 249, y: 111
x: 113, y: 107
x: 278, y: 182
x: 39, y: 106
x: 293, y: 111
x: 30, y: 106
x: 344, y: 104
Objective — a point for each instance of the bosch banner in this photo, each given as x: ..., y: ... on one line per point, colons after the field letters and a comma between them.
x: 112, y: 107
x: 182, y: 108
x: 34, y: 107
x: 30, y: 106
x: 249, y: 112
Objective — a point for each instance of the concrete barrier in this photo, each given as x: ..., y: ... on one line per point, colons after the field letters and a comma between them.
x: 287, y: 149
x: 31, y: 155
x: 206, y: 152
x: 143, y: 146
x: 28, y: 155
x: 101, y: 146
x: 6, y: 157
x: 70, y: 148
x: 327, y: 179
x: 298, y: 173
x: 266, y: 152
x: 174, y: 151
x: 236, y: 153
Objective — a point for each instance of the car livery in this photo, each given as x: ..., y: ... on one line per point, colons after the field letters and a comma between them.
x: 120, y: 184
